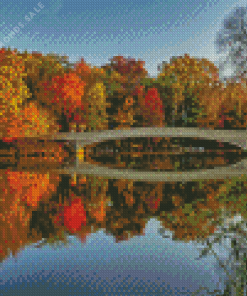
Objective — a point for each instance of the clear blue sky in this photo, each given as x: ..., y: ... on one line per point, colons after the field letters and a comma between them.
x: 97, y: 30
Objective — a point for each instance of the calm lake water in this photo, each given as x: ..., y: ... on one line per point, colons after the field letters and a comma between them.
x: 101, y: 262
x: 148, y: 265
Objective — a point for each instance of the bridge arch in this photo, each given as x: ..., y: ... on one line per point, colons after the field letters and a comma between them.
x: 236, y: 170
x: 233, y: 137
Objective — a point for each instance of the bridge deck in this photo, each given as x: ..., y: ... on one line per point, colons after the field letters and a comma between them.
x: 232, y: 136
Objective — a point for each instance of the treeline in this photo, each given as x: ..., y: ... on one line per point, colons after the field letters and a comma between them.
x: 42, y: 95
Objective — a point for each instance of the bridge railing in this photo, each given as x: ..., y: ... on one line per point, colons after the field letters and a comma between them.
x: 235, y: 137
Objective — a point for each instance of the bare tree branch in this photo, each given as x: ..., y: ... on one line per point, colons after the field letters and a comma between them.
x: 233, y: 37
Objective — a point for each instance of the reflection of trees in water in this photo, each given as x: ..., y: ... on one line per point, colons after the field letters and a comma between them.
x: 163, y: 154
x: 21, y: 193
x: 138, y: 201
x: 33, y: 153
x: 236, y: 263
x: 120, y: 207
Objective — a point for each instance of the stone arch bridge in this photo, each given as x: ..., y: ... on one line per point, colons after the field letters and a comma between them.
x: 233, y: 137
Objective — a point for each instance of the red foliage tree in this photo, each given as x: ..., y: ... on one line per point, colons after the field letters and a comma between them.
x: 154, y: 106
x: 151, y: 105
x: 65, y: 94
x: 73, y: 216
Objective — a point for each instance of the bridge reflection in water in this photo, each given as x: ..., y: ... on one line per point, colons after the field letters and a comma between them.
x: 234, y: 137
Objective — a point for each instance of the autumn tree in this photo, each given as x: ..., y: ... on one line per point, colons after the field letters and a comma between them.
x: 133, y: 70
x: 151, y: 106
x: 39, y: 69
x: 181, y: 85
x: 144, y: 113
x: 94, y: 98
x: 192, y: 222
x: 116, y: 98
x: 64, y: 93
x: 32, y: 121
x: 123, y: 75
x: 74, y: 215
x: 234, y: 207
x: 234, y: 104
x: 63, y: 60
x: 13, y: 89
x: 212, y: 111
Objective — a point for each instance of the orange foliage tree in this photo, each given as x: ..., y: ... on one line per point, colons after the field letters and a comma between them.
x: 213, y: 108
x: 97, y: 188
x: 33, y: 120
x: 65, y: 93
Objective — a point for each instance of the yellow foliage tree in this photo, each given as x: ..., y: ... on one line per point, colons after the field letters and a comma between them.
x: 188, y: 79
x: 95, y: 103
x: 235, y: 103
x: 13, y: 90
